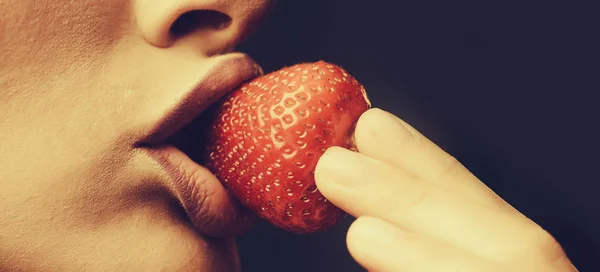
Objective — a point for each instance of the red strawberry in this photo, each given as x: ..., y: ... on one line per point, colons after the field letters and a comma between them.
x: 268, y: 135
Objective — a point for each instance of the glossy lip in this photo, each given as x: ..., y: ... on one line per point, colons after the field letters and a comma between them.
x: 193, y: 184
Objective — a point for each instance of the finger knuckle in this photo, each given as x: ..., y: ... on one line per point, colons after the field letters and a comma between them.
x: 416, y: 195
x: 450, y: 167
x: 548, y: 247
x: 416, y: 143
x: 539, y: 245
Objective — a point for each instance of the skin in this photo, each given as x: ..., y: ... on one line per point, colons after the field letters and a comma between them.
x: 419, y: 209
x: 83, y: 81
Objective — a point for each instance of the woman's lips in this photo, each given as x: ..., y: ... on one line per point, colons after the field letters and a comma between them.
x: 229, y: 72
x: 212, y: 210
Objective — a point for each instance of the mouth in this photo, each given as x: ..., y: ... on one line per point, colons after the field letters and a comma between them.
x: 176, y: 144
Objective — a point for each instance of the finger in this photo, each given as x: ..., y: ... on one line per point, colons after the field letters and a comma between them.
x: 383, y: 136
x: 380, y: 246
x: 361, y: 186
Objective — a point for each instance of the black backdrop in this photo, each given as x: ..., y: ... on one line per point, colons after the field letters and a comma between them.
x: 509, y: 88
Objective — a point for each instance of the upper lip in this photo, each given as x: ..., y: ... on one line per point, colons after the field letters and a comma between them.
x: 231, y: 71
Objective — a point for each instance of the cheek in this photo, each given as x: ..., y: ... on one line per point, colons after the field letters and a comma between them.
x: 52, y: 54
x: 52, y: 50
x: 50, y: 34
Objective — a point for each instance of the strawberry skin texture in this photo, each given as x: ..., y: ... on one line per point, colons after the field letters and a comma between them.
x: 268, y: 135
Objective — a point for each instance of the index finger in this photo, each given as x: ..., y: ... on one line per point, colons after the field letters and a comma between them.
x: 385, y: 137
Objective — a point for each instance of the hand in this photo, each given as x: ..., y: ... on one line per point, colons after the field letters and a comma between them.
x: 419, y: 209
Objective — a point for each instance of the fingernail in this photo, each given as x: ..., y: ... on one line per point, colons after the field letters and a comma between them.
x: 340, y: 166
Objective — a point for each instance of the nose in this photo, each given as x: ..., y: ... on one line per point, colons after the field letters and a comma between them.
x: 214, y: 26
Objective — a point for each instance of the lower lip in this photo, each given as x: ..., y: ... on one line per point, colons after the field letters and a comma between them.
x: 224, y: 217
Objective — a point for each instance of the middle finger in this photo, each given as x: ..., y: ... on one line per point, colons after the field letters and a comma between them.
x: 364, y: 186
x: 383, y: 136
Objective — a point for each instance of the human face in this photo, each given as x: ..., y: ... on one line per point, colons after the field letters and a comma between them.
x: 88, y: 91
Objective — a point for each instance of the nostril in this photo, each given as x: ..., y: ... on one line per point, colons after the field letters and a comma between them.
x: 196, y: 20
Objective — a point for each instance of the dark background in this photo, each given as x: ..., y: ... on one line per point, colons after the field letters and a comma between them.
x: 509, y: 88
